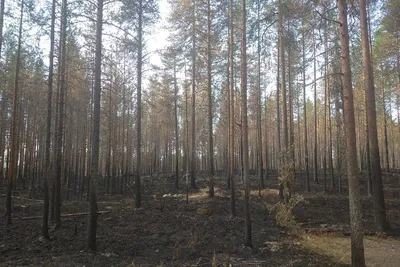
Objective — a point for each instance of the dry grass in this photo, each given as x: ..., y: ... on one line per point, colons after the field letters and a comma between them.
x: 336, y: 248
x: 203, y: 193
x: 379, y: 252
x: 268, y: 194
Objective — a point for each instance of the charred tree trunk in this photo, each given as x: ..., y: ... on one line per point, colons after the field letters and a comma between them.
x: 92, y: 220
x: 13, y: 130
x: 60, y: 126
x: 45, y: 231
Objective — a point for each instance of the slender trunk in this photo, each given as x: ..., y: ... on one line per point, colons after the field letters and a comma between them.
x: 283, y: 81
x: 378, y: 196
x: 13, y: 130
x: 176, y: 129
x: 138, y: 202
x: 259, y: 130
x: 2, y: 6
x: 385, y: 126
x: 357, y: 247
x: 278, y: 110
x: 330, y: 149
x: 326, y: 82
x: 60, y: 126
x: 243, y: 85
x: 231, y: 112
x: 305, y: 110
x: 92, y: 220
x: 315, y: 114
x: 210, y: 108
x: 45, y: 231
x: 193, y: 158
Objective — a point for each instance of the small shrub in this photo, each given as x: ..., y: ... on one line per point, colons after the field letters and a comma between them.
x: 176, y: 253
x: 193, y: 239
x: 283, y: 212
x: 214, y: 261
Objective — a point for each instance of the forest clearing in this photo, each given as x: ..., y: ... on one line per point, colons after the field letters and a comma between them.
x: 167, y: 231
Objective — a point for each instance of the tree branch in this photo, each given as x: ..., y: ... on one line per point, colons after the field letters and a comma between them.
x: 325, y: 18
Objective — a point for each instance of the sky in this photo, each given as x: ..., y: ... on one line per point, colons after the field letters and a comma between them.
x: 157, y: 41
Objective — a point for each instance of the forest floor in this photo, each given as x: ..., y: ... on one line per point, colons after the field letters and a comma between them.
x: 168, y: 232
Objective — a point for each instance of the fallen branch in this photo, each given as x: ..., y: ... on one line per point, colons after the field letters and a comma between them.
x: 63, y: 215
x: 23, y: 198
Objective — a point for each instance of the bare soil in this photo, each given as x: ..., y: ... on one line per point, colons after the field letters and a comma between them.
x: 167, y: 231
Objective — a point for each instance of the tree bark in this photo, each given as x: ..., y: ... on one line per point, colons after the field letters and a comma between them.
x: 326, y: 85
x: 259, y: 130
x: 92, y: 220
x: 2, y: 6
x: 243, y: 85
x: 231, y: 85
x: 13, y: 130
x: 315, y: 114
x: 193, y: 158
x: 305, y: 109
x: 210, y: 108
x: 378, y: 196
x: 357, y: 247
x: 45, y: 231
x: 138, y: 198
x: 60, y: 126
x: 176, y: 128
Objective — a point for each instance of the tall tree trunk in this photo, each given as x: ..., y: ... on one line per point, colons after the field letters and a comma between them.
x: 378, y: 196
x: 92, y: 220
x: 2, y: 6
x: 283, y: 80
x: 385, y: 124
x: 210, y: 108
x: 259, y: 130
x: 330, y: 149
x: 193, y: 157
x: 231, y: 84
x: 243, y: 85
x: 57, y: 115
x: 278, y: 111
x: 286, y: 159
x: 45, y: 231
x: 13, y: 130
x: 177, y: 149
x: 305, y: 109
x: 60, y: 126
x: 187, y: 141
x: 326, y: 85
x: 138, y: 202
x: 315, y: 114
x: 357, y: 247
